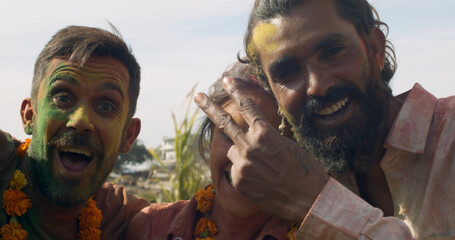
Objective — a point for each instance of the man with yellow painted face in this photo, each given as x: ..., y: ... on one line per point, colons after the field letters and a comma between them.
x: 367, y: 164
x: 80, y: 116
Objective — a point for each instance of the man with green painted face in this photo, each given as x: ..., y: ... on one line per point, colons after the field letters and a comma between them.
x: 367, y: 164
x: 80, y: 116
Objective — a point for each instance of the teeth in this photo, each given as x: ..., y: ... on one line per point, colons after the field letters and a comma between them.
x: 333, y: 108
x: 76, y: 150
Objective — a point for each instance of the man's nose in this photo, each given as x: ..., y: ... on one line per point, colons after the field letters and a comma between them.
x: 79, y: 120
x: 319, y: 81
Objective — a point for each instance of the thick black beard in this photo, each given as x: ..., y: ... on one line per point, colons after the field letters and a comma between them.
x: 63, y: 192
x: 353, y: 145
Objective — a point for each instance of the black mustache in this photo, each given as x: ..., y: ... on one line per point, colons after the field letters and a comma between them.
x: 334, y: 94
x: 76, y: 140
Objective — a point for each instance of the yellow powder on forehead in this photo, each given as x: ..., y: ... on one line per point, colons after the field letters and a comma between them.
x: 262, y: 34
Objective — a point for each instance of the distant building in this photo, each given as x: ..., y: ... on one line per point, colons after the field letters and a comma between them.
x: 167, y: 150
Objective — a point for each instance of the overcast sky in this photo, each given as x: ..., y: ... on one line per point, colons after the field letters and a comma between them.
x: 181, y: 43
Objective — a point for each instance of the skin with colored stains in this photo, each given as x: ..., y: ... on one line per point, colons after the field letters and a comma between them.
x: 79, y: 125
x: 261, y: 38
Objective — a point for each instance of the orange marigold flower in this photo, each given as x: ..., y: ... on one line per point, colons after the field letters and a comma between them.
x: 89, y: 221
x: 204, y: 198
x: 15, y: 202
x: 89, y: 234
x: 13, y: 231
x: 205, y: 228
x: 18, y: 181
x: 21, y: 149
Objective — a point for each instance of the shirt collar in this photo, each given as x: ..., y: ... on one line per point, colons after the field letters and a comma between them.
x: 410, y: 128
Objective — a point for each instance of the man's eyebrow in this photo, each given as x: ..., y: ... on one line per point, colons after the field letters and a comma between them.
x: 63, y: 77
x: 277, y: 65
x: 329, y: 40
x: 112, y: 86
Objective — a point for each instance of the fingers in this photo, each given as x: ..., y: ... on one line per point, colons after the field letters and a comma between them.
x: 219, y: 117
x: 245, y: 104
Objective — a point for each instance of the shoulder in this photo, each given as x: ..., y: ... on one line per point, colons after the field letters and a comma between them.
x: 118, y: 208
x: 7, y: 149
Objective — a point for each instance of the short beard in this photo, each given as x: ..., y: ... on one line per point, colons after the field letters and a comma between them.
x: 64, y: 192
x: 351, y: 146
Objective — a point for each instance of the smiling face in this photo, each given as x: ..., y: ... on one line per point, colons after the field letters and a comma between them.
x: 220, y: 166
x: 79, y: 126
x: 326, y: 77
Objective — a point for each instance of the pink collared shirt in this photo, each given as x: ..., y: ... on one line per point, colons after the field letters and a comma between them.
x: 419, y: 165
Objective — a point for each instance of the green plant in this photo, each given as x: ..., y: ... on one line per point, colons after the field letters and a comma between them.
x: 190, y: 170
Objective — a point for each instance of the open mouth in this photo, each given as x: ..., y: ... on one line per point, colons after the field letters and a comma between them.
x: 75, y: 159
x: 334, y: 109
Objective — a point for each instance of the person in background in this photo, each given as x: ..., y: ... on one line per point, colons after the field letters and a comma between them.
x: 217, y: 211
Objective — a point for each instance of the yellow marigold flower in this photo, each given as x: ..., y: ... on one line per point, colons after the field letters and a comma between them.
x: 15, y: 202
x: 21, y: 149
x: 292, y: 229
x: 18, y: 181
x: 204, y: 198
x: 13, y: 231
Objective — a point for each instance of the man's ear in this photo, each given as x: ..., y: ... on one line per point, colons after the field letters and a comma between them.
x: 377, y: 45
x: 131, y: 133
x: 27, y: 115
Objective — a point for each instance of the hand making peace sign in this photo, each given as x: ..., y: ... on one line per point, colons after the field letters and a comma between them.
x: 275, y: 172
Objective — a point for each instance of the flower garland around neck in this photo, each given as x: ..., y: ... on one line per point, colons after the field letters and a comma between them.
x: 205, y: 228
x: 16, y: 203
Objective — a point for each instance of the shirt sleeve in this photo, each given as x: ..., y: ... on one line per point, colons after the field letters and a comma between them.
x: 340, y: 214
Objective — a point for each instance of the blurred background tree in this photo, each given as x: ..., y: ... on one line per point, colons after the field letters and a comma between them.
x: 137, y: 154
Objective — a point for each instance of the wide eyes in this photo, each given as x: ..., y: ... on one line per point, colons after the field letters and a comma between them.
x: 106, y: 108
x: 63, y: 100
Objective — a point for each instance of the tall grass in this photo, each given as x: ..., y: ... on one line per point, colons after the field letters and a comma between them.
x: 191, y: 173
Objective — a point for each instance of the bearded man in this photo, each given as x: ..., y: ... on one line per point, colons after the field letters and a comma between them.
x: 367, y: 165
x: 80, y: 115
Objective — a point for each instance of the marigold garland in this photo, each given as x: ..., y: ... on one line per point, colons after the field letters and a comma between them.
x: 205, y: 228
x: 204, y: 198
x: 13, y: 231
x: 16, y: 203
x: 90, y: 221
x: 19, y: 181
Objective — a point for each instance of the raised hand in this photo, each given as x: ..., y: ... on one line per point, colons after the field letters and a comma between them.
x: 276, y: 173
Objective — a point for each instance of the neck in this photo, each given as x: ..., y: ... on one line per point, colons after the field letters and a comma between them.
x: 373, y: 184
x: 55, y: 220
x: 232, y: 226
